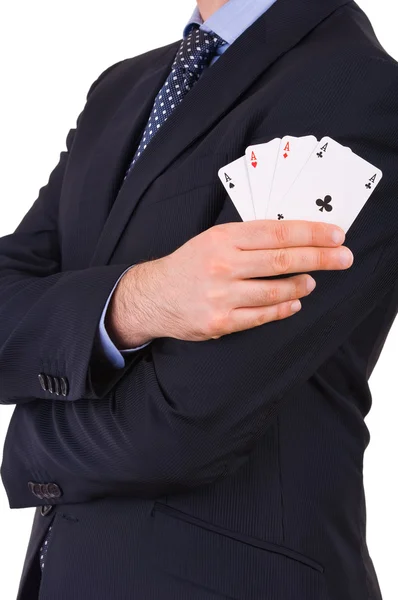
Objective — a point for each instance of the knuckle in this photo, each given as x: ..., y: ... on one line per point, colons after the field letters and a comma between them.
x: 220, y: 228
x: 314, y: 231
x: 220, y: 233
x: 282, y: 232
x: 321, y: 259
x: 217, y: 324
x: 281, y: 260
x: 299, y: 288
x: 280, y: 311
x: 272, y: 295
x: 218, y: 267
x: 214, y: 236
x: 260, y: 320
x: 318, y: 233
x: 325, y: 230
x: 214, y: 295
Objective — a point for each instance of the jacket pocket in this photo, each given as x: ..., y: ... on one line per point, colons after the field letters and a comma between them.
x: 230, y: 563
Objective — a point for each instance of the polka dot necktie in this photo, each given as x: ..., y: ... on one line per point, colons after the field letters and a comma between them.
x: 44, y: 548
x: 194, y: 55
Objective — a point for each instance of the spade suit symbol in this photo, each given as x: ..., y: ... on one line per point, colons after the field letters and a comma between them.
x: 228, y: 180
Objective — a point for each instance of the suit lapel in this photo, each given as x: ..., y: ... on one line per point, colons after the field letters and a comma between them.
x: 114, y: 147
x: 218, y: 89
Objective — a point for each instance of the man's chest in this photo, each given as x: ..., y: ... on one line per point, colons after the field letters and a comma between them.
x: 173, y: 192
x: 158, y: 209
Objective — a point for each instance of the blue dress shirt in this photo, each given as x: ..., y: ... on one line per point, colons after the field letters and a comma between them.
x: 229, y: 22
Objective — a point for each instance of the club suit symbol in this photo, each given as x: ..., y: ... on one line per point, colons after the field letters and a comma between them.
x: 325, y: 204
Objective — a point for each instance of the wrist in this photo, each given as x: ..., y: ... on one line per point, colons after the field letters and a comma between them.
x: 132, y: 315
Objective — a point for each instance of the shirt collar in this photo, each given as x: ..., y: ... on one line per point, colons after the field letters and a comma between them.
x: 231, y: 19
x: 195, y: 19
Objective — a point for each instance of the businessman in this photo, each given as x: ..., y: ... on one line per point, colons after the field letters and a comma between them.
x: 183, y: 430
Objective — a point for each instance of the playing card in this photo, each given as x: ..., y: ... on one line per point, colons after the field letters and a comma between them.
x: 292, y: 155
x: 235, y: 179
x: 260, y: 162
x: 333, y: 187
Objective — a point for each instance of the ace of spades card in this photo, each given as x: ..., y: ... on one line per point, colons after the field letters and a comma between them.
x: 235, y: 180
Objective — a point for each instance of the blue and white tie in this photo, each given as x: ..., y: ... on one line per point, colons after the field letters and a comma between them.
x: 194, y: 55
x: 44, y: 548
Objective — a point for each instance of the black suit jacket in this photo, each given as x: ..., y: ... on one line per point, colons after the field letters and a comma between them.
x: 230, y: 468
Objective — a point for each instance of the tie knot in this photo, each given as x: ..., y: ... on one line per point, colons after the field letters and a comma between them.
x: 196, y: 51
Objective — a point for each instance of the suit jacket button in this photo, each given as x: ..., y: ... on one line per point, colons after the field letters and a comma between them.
x: 54, y: 490
x: 44, y: 490
x: 35, y: 488
x: 43, y: 381
x: 64, y: 386
x: 57, y: 386
x: 37, y: 491
x: 45, y: 510
x: 50, y: 384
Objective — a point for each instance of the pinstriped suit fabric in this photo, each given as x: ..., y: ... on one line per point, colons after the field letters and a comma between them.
x: 224, y: 469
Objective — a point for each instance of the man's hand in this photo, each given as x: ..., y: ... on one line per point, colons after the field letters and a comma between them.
x: 207, y: 288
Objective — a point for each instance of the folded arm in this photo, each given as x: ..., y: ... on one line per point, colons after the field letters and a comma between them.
x: 49, y: 318
x: 187, y: 414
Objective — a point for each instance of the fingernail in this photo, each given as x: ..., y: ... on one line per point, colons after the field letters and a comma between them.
x: 295, y: 306
x: 345, y: 257
x: 311, y: 283
x: 338, y: 236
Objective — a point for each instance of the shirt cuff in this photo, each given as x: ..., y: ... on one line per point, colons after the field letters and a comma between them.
x: 115, y: 356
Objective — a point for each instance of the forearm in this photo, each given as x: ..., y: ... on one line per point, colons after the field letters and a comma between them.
x: 105, y: 344
x: 48, y: 326
x: 132, y: 317
x: 48, y: 316
x: 186, y: 414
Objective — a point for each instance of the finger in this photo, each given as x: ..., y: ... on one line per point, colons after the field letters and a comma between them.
x: 257, y: 293
x: 266, y: 233
x: 248, y: 318
x: 266, y: 263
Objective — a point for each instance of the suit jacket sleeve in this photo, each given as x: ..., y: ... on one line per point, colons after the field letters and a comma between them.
x: 188, y: 413
x: 49, y: 317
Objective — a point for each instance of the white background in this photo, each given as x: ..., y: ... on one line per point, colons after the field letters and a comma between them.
x: 50, y: 53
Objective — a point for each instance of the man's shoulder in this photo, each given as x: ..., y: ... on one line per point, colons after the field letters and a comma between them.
x: 349, y: 35
x: 130, y: 67
x: 343, y: 61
